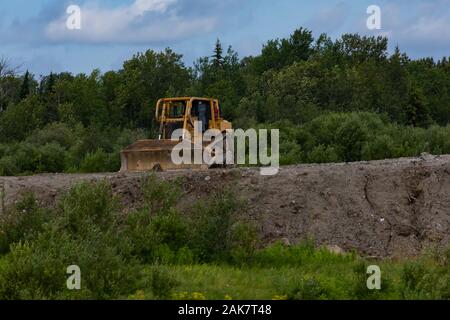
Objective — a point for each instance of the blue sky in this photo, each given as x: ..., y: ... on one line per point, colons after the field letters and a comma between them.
x: 33, y: 33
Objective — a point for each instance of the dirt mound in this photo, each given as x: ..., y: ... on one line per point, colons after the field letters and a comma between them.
x: 383, y: 209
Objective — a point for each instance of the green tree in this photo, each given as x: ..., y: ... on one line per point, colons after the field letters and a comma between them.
x: 417, y: 112
x: 146, y: 78
x: 25, y: 87
x: 9, y: 84
x: 18, y: 121
x: 218, y: 55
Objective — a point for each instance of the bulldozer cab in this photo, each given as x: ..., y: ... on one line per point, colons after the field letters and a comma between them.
x: 182, y: 113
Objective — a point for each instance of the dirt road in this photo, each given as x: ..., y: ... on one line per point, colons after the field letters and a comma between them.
x: 386, y: 208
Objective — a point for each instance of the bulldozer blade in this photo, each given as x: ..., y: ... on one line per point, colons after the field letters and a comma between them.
x: 153, y: 155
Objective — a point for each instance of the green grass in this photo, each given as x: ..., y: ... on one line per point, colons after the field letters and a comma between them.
x: 338, y: 279
x: 303, y: 272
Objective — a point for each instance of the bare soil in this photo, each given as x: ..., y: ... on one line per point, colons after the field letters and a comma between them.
x: 390, y: 208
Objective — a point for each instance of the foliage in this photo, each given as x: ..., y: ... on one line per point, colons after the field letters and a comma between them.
x: 84, y: 232
x: 22, y: 222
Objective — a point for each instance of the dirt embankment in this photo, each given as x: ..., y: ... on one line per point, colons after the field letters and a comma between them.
x: 383, y: 209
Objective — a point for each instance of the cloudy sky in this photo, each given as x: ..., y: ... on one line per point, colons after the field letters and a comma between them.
x: 34, y: 33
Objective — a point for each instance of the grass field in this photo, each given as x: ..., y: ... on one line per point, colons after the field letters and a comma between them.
x: 321, y: 276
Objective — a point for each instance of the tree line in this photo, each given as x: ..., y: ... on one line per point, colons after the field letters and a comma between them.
x: 347, y: 99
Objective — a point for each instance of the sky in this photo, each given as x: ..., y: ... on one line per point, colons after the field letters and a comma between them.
x: 34, y: 34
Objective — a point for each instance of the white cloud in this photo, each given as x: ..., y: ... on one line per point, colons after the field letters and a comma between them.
x: 429, y: 29
x: 423, y: 31
x: 144, y: 21
x: 139, y: 7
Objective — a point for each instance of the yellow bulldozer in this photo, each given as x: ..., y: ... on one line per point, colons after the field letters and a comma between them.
x: 172, y: 114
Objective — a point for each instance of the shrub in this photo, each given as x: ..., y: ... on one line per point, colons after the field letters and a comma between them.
x: 158, y: 232
x: 162, y: 283
x: 281, y: 255
x: 212, y: 222
x: 9, y: 166
x: 424, y: 279
x: 52, y: 158
x: 22, y: 222
x: 243, y: 240
x: 58, y: 133
x: 157, y: 237
x: 127, y: 137
x: 439, y: 139
x: 350, y: 137
x: 84, y: 232
x: 37, y: 270
x: 97, y: 161
x: 88, y: 206
x: 91, y: 141
x: 382, y: 147
x: 19, y: 120
x: 160, y: 196
x: 305, y: 287
x: 290, y: 153
x: 323, y: 154
x: 26, y: 158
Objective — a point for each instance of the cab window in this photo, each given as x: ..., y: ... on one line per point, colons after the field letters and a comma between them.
x: 176, y: 109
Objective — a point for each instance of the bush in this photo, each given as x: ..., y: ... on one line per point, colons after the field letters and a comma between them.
x: 212, y: 222
x: 158, y: 238
x: 290, y: 153
x: 26, y: 158
x: 280, y: 255
x: 160, y: 196
x: 22, y: 222
x: 88, y: 206
x: 158, y: 232
x: 307, y: 289
x: 127, y: 137
x: 243, y: 240
x: 58, y: 133
x: 382, y: 147
x: 350, y: 138
x: 323, y: 154
x: 162, y: 283
x: 97, y: 161
x: 90, y: 140
x: 52, y: 159
x: 9, y: 166
x: 37, y: 270
x: 18, y: 121
x: 439, y: 140
x: 84, y: 232
x: 424, y: 279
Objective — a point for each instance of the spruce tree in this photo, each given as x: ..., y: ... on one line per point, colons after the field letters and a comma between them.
x: 218, y: 54
x: 25, y: 87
